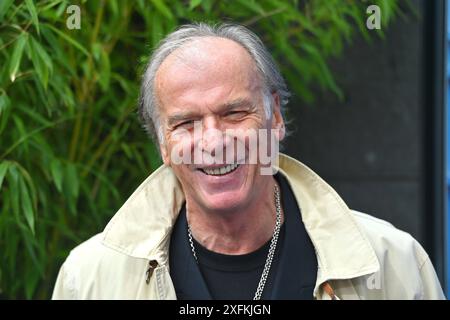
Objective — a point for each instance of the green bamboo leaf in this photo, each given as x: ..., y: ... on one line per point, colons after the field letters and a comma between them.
x: 157, y: 31
x: 34, y: 115
x: 253, y: 6
x: 125, y: 148
x: 162, y: 7
x: 42, y: 53
x: 51, y: 4
x: 179, y: 9
x: 96, y: 50
x: 125, y: 84
x: 194, y: 4
x: 22, y: 130
x: 207, y: 6
x: 26, y: 204
x: 71, y: 187
x: 71, y: 181
x: 17, y: 55
x: 105, y: 70
x: 114, y: 7
x: 4, y: 6
x: 386, y: 10
x: 342, y: 25
x: 33, y: 13
x: 300, y: 88
x: 57, y: 51
x: 57, y: 173
x: 141, y: 5
x: 31, y: 246
x: 3, y: 169
x: 306, y: 23
x: 41, y: 69
x: 355, y: 13
x: 67, y: 38
x: 139, y: 159
x: 13, y: 181
x: 10, y: 248
x: 293, y: 57
x: 325, y: 72
x: 61, y: 9
x: 5, y: 104
x: 65, y: 230
x: 27, y: 179
x: 31, y: 284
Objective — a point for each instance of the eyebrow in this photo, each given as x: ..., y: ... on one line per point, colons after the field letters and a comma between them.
x: 234, y: 104
x: 178, y: 117
x: 238, y: 103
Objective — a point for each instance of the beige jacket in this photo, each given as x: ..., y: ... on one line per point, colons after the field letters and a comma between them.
x: 359, y: 256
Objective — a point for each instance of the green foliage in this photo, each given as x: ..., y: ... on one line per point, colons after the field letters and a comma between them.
x: 71, y: 148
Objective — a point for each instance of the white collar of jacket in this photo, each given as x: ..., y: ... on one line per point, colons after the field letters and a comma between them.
x: 142, y: 227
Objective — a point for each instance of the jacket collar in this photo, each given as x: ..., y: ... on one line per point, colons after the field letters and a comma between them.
x: 142, y: 226
x: 343, y: 251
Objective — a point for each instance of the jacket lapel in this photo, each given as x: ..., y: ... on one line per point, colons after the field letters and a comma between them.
x: 297, y: 268
x: 342, y: 250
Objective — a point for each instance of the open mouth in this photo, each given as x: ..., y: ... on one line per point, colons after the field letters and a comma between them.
x: 221, y: 170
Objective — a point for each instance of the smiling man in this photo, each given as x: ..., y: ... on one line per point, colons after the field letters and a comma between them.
x: 217, y: 221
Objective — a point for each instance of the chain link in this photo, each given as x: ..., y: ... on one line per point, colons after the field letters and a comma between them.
x: 273, y: 246
x: 192, y: 243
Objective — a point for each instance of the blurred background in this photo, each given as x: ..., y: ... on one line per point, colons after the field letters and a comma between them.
x: 368, y: 113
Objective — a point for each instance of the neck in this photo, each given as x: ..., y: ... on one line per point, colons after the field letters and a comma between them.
x: 242, y: 231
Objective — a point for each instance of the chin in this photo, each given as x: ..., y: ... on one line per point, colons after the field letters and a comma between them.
x: 226, y: 201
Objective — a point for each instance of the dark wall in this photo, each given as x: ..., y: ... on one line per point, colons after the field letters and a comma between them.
x: 370, y: 147
x: 382, y: 148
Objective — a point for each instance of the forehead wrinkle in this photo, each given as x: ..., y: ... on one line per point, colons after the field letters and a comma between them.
x: 209, y: 52
x: 212, y: 49
x: 190, y: 57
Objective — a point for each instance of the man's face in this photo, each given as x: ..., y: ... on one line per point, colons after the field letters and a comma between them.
x: 212, y: 85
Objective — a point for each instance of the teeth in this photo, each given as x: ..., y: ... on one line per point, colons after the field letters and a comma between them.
x: 222, y: 170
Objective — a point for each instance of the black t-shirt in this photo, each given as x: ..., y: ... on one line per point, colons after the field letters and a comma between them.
x: 237, y: 276
x: 216, y: 276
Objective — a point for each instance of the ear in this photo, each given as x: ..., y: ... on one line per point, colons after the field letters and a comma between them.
x: 164, y: 153
x: 277, y: 117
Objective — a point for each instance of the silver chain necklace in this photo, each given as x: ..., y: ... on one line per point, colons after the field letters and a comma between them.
x: 273, y: 245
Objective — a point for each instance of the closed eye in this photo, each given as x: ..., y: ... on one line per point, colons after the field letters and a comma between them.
x: 236, y: 113
x: 184, y: 124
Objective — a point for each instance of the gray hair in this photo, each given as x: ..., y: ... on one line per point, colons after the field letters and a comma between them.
x: 272, y: 79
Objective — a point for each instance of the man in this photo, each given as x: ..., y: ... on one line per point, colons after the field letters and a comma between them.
x: 206, y: 227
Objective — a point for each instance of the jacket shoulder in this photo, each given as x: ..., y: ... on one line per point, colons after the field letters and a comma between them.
x: 83, y: 258
x: 406, y: 271
x: 384, y: 236
x: 89, y: 268
x: 88, y: 250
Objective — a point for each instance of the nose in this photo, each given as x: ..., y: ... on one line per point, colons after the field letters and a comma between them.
x: 211, y: 140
